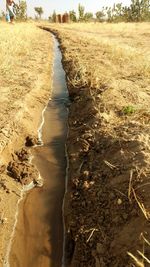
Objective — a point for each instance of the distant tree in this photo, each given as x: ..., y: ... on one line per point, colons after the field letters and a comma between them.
x: 100, y: 16
x: 39, y: 11
x: 145, y: 14
x: 118, y: 9
x: 88, y: 16
x: 117, y: 12
x: 126, y: 13
x: 109, y: 14
x: 54, y: 16
x: 81, y: 12
x: 139, y: 10
x: 50, y: 19
x: 21, y: 12
x: 73, y: 16
x: 135, y: 10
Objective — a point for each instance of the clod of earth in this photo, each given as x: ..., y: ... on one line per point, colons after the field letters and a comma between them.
x: 23, y: 154
x: 21, y: 169
x: 31, y: 141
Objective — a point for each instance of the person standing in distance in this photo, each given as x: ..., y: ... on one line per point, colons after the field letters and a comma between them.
x: 10, y: 15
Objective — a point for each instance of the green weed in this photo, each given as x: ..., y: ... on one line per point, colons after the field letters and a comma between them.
x: 129, y: 110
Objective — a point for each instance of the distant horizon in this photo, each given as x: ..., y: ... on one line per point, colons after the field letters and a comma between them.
x: 48, y: 6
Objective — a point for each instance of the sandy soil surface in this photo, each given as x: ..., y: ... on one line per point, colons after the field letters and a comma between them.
x: 107, y: 208
x: 25, y: 82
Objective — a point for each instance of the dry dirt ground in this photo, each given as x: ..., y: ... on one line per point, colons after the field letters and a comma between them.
x: 25, y: 81
x: 107, y: 207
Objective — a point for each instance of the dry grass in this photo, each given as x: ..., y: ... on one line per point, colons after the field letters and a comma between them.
x: 25, y: 59
x: 141, y: 262
x: 141, y: 206
x: 111, y: 56
x: 132, y: 35
x: 145, y: 212
x: 112, y: 47
x: 17, y: 46
x: 22, y: 61
x: 115, y: 59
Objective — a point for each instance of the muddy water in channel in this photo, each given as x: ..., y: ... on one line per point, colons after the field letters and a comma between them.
x: 38, y: 240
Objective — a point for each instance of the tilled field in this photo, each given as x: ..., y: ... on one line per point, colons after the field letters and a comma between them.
x: 107, y: 207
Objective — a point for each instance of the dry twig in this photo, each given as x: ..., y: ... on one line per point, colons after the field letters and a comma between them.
x: 143, y: 256
x: 140, y: 263
x: 80, y: 167
x: 141, y: 206
x: 130, y: 185
x: 111, y: 166
x: 146, y: 241
x: 91, y: 234
x: 137, y: 261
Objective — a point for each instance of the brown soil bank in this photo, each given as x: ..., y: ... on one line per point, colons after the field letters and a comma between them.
x: 107, y: 205
x: 25, y: 82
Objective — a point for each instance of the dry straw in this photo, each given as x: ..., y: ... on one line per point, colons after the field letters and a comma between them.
x: 141, y: 262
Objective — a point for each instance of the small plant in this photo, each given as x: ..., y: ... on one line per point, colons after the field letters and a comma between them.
x: 128, y: 110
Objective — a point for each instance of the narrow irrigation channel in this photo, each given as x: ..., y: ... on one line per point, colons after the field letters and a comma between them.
x: 38, y: 240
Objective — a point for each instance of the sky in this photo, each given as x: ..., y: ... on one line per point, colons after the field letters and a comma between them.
x: 61, y: 6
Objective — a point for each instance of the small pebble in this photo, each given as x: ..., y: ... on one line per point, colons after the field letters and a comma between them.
x: 86, y: 174
x: 119, y: 201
